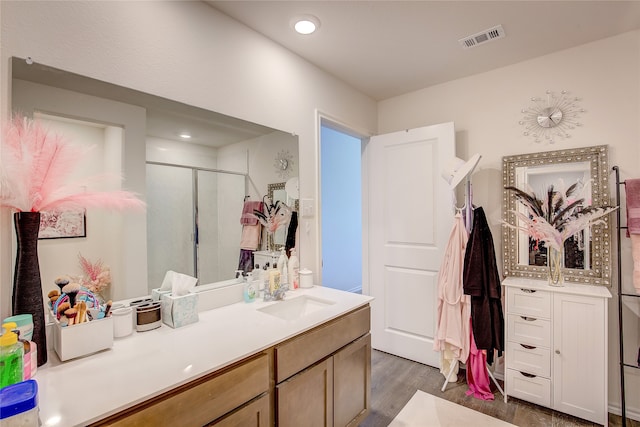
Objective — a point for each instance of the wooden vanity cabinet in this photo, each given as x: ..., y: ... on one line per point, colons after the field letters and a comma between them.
x: 318, y: 378
x: 306, y: 399
x: 237, y: 395
x: 323, y: 376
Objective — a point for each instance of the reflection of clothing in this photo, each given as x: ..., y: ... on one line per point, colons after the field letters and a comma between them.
x: 250, y: 238
x: 247, y: 217
x: 477, y: 375
x: 245, y: 263
x: 291, y: 232
x: 482, y: 282
x: 454, y: 307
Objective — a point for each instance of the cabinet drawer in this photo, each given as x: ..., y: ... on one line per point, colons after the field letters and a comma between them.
x: 296, y: 354
x: 529, y: 359
x: 532, y: 389
x: 529, y: 302
x: 257, y: 413
x: 201, y: 401
x: 529, y: 330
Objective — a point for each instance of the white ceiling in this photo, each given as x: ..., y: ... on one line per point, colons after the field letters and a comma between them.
x: 388, y: 48
x: 382, y: 48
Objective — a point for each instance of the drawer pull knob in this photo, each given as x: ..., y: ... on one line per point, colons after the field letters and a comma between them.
x: 557, y: 351
x: 528, y: 319
x: 528, y: 291
x: 528, y: 347
x: 527, y: 375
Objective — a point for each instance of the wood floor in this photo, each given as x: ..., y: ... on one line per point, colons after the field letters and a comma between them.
x: 395, y: 380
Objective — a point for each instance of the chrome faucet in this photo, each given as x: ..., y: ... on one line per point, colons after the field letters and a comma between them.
x: 278, y: 294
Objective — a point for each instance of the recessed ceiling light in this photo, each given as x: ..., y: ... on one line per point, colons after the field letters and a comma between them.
x: 306, y: 24
x: 185, y: 135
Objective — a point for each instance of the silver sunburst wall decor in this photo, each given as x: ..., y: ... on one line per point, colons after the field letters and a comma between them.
x: 283, y: 164
x: 551, y: 117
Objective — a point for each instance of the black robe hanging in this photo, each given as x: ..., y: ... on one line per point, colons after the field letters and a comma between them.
x: 482, y: 282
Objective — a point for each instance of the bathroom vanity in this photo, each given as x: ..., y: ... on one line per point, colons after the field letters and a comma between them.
x: 302, y: 361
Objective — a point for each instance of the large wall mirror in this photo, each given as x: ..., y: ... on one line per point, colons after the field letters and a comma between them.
x: 195, y: 189
x: 586, y: 254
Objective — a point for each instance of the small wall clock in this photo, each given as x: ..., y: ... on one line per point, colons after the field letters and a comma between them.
x: 551, y: 117
x: 283, y: 164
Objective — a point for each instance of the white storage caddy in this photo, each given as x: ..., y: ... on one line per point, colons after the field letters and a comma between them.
x: 82, y: 339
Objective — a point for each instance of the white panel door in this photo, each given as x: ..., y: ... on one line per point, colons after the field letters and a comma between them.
x: 409, y: 220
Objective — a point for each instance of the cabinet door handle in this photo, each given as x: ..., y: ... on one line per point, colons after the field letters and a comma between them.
x: 527, y: 375
x: 557, y: 351
x: 528, y: 291
x: 528, y: 347
x: 528, y: 319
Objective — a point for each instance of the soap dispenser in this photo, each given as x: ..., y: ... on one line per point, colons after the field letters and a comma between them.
x: 264, y: 278
x: 294, y: 268
x: 282, y: 267
x: 249, y: 289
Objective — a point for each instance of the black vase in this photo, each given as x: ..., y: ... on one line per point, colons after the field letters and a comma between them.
x: 27, y: 286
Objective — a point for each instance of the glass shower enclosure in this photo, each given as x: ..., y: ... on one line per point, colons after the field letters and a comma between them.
x: 193, y: 222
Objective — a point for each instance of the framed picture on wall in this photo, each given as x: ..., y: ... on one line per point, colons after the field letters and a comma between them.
x: 62, y: 224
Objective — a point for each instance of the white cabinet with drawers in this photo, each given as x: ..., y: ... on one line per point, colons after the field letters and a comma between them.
x: 556, y: 346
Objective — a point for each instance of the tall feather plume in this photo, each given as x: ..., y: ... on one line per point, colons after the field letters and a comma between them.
x: 572, y: 189
x: 529, y: 200
x: 586, y: 218
x: 35, y: 167
x: 559, y: 216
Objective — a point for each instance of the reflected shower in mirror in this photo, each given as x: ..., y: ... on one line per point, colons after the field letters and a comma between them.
x: 191, y: 226
x: 586, y: 253
x: 194, y: 187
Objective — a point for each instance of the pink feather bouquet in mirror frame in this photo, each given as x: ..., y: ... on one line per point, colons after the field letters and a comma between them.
x: 560, y: 214
x: 35, y: 166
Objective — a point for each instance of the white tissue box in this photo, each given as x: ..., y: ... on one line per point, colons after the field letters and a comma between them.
x: 82, y: 339
x: 156, y: 294
x: 179, y: 311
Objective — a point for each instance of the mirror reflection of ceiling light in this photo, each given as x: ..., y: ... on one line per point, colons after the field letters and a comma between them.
x: 185, y: 135
x: 306, y: 24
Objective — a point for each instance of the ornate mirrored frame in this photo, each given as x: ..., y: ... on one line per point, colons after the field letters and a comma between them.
x: 277, y: 191
x: 597, y: 157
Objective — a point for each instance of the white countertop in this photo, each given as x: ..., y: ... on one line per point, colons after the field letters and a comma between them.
x: 146, y: 364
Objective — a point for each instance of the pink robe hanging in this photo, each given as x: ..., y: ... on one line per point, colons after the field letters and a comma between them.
x: 477, y: 375
x: 454, y: 307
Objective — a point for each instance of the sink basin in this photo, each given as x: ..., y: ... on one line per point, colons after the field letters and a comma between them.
x: 295, y: 308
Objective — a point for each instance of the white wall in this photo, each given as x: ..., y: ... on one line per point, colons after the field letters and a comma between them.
x: 185, y: 51
x: 486, y: 107
x: 180, y: 153
x: 257, y: 156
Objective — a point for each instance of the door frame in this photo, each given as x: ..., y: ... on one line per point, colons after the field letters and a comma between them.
x: 325, y: 119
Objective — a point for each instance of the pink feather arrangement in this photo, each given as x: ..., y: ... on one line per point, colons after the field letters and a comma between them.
x: 558, y: 216
x: 35, y: 166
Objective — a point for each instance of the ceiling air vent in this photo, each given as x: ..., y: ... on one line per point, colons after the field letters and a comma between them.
x: 496, y: 32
